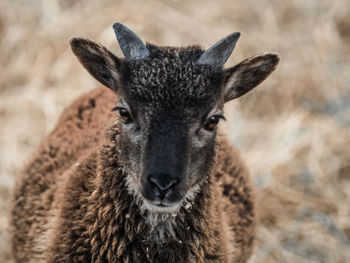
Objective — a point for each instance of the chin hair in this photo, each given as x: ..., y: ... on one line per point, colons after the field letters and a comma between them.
x: 162, y: 220
x: 171, y: 209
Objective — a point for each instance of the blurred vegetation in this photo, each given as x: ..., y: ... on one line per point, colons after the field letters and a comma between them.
x: 293, y: 130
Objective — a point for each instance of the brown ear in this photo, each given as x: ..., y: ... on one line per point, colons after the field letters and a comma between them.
x: 97, y: 60
x: 248, y: 74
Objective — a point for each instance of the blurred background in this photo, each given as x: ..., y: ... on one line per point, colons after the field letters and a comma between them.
x: 293, y: 130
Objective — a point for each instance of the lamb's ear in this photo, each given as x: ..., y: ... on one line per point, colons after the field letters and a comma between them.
x: 248, y: 74
x: 97, y: 60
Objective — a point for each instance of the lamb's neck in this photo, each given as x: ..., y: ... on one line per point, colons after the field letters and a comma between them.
x: 131, y: 230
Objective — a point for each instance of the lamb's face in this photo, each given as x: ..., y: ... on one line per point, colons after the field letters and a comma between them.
x: 169, y: 109
x: 170, y: 101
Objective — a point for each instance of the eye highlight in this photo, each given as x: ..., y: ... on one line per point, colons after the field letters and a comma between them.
x: 124, y: 114
x: 212, y: 122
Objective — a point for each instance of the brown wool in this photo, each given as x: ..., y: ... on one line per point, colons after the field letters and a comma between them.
x: 78, y: 198
x: 71, y: 202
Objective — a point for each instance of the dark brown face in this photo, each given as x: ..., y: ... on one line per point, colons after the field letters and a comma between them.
x: 169, y: 114
x: 170, y: 102
x: 167, y: 152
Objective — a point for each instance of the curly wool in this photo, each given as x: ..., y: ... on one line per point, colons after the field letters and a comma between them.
x: 73, y: 192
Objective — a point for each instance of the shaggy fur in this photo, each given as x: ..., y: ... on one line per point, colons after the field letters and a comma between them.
x: 78, y: 199
x: 71, y: 203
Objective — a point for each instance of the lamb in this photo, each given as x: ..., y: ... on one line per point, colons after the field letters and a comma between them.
x: 138, y: 172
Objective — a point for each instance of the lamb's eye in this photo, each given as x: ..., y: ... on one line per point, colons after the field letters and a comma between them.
x: 211, y: 123
x: 124, y: 114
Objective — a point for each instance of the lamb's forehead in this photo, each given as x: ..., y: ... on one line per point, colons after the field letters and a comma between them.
x: 171, y: 76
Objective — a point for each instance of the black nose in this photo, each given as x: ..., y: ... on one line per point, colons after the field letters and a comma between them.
x: 162, y: 183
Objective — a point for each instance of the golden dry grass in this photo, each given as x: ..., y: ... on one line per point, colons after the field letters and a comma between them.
x: 293, y: 131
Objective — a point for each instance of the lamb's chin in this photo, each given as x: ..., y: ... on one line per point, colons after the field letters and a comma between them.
x: 171, y: 209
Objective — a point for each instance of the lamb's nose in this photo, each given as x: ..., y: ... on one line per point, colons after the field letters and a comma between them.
x: 162, y: 183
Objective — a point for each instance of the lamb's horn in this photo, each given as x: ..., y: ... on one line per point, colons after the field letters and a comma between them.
x: 219, y: 53
x: 131, y: 45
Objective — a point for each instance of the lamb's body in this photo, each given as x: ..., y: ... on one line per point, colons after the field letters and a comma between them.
x: 153, y: 182
x: 71, y: 203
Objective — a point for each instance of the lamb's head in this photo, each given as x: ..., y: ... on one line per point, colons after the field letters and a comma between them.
x: 170, y: 101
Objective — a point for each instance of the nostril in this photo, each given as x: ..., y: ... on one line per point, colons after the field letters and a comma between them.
x: 162, y: 183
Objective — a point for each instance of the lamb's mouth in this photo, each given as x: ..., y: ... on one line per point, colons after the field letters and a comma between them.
x: 165, y: 207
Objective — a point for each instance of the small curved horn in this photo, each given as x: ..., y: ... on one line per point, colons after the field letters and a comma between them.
x: 219, y: 53
x: 131, y: 45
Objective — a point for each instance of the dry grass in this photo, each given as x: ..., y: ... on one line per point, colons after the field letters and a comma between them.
x: 293, y: 131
